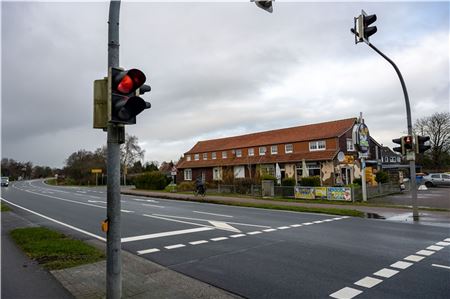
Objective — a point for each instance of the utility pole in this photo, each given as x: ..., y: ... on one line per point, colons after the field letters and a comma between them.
x: 115, y: 133
x: 362, y: 32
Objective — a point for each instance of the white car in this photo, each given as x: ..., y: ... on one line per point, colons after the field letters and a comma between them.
x: 436, y: 179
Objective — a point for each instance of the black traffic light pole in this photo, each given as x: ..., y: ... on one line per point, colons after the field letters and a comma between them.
x: 115, y: 134
x: 412, y: 162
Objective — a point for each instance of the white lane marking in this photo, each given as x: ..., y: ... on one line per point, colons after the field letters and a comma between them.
x: 434, y: 247
x: 150, y: 205
x: 254, y: 233
x: 346, y: 293
x: 296, y: 225
x: 269, y: 230
x: 221, y: 215
x: 219, y: 239
x: 447, y: 240
x: 140, y: 199
x: 198, y: 242
x: 385, y: 272
x: 307, y: 223
x: 99, y: 201
x: 224, y: 226
x: 56, y: 221
x: 338, y: 218
x: 283, y: 227
x: 328, y: 220
x: 93, y: 196
x: 414, y: 258
x: 425, y: 252
x: 237, y: 236
x: 368, y: 282
x: 443, y: 243
x: 440, y: 266
x: 175, y: 246
x: 401, y: 265
x: 127, y: 211
x: 179, y: 221
x: 166, y: 234
x: 319, y: 221
x: 151, y: 250
x: 208, y: 220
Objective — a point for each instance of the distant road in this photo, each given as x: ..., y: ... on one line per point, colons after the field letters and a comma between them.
x: 256, y: 253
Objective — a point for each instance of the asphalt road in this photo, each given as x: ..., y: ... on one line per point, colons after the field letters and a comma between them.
x: 257, y: 253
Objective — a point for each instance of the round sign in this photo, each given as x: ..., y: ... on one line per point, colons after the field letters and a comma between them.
x: 341, y: 156
x: 361, y: 137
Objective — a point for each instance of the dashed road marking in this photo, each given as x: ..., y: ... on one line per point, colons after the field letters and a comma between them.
x: 283, y: 227
x: 368, y: 282
x: 269, y: 230
x: 401, y: 265
x: 154, y: 206
x: 414, y: 258
x: 140, y: 252
x: 434, y: 247
x: 198, y: 242
x: 307, y: 223
x: 319, y: 221
x: 254, y: 233
x: 219, y: 239
x: 443, y: 243
x: 346, y: 293
x: 296, y: 225
x: 238, y: 236
x: 386, y: 273
x: 425, y: 252
x: 174, y: 246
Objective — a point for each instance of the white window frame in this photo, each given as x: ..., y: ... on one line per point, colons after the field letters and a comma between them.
x: 386, y: 159
x: 350, y: 145
x: 205, y: 156
x: 392, y: 159
x: 238, y: 153
x: 262, y: 150
x: 274, y: 150
x: 251, y: 152
x: 213, y: 156
x: 197, y: 157
x: 188, y: 174
x: 224, y: 154
x: 399, y: 159
x: 217, y: 173
x: 188, y: 158
x: 317, y: 145
x: 288, y: 148
x: 239, y: 172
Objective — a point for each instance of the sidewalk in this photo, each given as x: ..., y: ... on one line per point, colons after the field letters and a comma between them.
x: 437, y: 218
x: 141, y: 278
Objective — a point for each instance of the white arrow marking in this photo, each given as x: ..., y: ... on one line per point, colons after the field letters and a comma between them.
x: 224, y: 226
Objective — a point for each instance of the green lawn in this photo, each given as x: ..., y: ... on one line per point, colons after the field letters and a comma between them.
x: 5, y: 207
x: 54, y: 250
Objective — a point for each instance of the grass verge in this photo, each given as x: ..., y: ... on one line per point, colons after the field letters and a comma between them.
x: 5, y: 208
x: 54, y: 250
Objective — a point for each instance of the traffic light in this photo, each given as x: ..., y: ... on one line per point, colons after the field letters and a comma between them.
x: 264, y: 4
x: 361, y: 28
x: 420, y: 144
x: 401, y: 148
x: 124, y: 88
x: 408, y: 143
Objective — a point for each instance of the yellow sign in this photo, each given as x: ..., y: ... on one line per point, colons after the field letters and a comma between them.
x: 349, y: 159
x: 321, y: 192
x: 96, y: 170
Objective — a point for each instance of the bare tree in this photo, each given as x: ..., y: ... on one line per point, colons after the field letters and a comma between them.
x: 437, y: 127
x: 131, y: 152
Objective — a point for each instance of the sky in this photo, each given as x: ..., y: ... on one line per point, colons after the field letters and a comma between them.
x: 217, y: 69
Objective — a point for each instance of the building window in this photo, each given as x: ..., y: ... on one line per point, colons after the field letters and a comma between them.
x: 350, y: 145
x: 313, y: 169
x: 239, y: 172
x: 288, y: 148
x: 239, y: 153
x: 205, y: 156
x: 188, y: 158
x: 197, y: 157
x: 251, y: 151
x: 268, y: 169
x: 213, y: 155
x: 398, y: 159
x: 386, y: 159
x: 317, y: 145
x: 224, y: 155
x: 262, y: 150
x: 217, y: 173
x: 188, y: 174
x: 274, y: 150
x: 393, y: 159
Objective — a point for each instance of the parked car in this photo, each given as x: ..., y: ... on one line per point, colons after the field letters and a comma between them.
x: 5, y: 181
x: 436, y: 179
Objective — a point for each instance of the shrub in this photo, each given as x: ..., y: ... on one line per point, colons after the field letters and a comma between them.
x: 185, y: 186
x: 268, y: 177
x: 311, y: 181
x: 153, y: 180
x: 357, y: 181
x: 244, y: 185
x: 288, y: 182
x: 382, y: 177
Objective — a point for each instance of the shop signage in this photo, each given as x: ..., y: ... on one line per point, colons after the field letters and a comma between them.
x: 361, y: 137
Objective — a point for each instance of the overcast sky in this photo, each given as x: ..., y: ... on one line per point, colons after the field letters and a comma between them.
x: 216, y: 70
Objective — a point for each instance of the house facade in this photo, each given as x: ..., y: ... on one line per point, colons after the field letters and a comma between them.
x: 325, y: 150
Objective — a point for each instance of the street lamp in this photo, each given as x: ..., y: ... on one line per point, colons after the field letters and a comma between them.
x: 264, y: 4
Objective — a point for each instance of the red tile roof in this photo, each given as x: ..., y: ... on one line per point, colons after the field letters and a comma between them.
x: 287, y: 135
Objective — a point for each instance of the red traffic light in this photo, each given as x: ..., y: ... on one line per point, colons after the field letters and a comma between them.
x: 129, y: 81
x: 407, y: 140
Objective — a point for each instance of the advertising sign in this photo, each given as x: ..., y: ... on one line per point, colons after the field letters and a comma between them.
x: 96, y: 170
x: 340, y: 193
x: 321, y: 192
x: 361, y: 137
x: 304, y: 192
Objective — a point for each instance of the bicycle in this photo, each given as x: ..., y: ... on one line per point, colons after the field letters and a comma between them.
x: 200, y: 191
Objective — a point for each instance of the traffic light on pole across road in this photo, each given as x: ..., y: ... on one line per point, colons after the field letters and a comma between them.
x: 408, y: 143
x: 124, y: 88
x: 362, y: 28
x: 420, y: 144
x: 399, y: 149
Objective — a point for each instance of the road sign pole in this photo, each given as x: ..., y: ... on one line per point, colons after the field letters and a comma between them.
x: 113, y: 242
x: 412, y: 163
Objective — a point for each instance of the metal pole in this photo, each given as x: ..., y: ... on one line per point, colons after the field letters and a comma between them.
x: 412, y: 163
x: 113, y: 242
x: 363, y: 179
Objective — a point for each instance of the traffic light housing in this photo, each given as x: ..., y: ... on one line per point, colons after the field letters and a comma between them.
x: 408, y: 143
x: 401, y: 148
x: 420, y: 144
x: 362, y: 28
x: 124, y: 88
